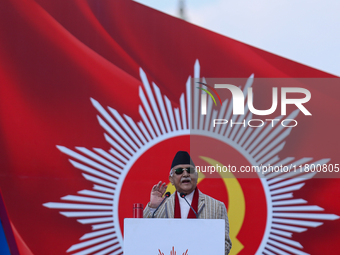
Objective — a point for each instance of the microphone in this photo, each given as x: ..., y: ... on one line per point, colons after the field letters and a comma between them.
x: 165, y: 197
x: 182, y: 195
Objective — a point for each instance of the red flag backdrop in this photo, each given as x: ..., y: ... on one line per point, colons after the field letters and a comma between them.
x: 73, y: 70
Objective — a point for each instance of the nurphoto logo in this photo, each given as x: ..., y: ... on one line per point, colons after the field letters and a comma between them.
x: 238, y: 104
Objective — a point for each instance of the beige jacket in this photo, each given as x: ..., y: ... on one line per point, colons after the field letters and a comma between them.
x: 208, y: 208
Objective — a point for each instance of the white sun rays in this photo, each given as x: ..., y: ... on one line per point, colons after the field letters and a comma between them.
x: 107, y: 169
x: 160, y: 121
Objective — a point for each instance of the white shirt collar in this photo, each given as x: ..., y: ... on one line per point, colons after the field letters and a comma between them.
x: 184, y: 206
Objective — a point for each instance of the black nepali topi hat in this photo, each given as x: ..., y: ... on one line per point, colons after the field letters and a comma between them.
x: 182, y: 158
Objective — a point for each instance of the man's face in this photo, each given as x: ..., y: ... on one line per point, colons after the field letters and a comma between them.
x: 184, y: 182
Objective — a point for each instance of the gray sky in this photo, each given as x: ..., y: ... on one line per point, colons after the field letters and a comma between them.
x: 306, y: 31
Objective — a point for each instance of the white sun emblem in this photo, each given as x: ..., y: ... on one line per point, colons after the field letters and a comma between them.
x: 99, y: 206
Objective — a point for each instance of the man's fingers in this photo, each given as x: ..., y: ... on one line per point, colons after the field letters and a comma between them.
x: 163, y: 188
x: 159, y: 189
x: 156, y: 186
x: 157, y: 192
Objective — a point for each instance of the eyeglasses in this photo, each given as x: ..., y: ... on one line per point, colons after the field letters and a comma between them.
x: 190, y: 170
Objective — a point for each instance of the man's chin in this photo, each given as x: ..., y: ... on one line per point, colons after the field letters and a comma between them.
x: 187, y: 188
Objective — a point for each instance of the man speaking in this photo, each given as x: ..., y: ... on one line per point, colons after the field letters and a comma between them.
x: 187, y: 202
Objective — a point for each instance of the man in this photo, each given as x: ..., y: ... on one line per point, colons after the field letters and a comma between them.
x: 184, y: 177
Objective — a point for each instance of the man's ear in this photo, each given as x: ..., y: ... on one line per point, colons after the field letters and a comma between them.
x: 171, y: 180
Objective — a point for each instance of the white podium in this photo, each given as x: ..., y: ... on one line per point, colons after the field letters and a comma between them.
x: 174, y: 236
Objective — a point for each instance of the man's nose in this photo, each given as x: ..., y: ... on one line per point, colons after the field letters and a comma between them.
x: 185, y: 173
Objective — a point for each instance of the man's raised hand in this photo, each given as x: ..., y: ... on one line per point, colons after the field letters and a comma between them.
x: 157, y: 192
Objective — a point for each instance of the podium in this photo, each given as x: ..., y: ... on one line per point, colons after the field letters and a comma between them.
x: 174, y: 236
